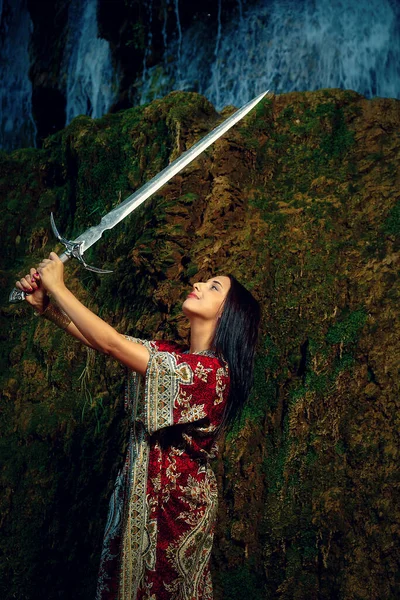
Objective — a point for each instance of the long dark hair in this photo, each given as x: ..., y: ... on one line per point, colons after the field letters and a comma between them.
x: 235, y: 340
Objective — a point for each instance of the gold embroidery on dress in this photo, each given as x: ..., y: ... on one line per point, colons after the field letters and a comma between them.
x: 172, y: 474
x: 164, y: 377
x: 192, y: 413
x: 220, y: 385
x: 156, y: 481
x: 184, y: 373
x: 135, y: 529
x: 190, y: 552
x: 202, y: 372
x: 183, y: 399
x: 189, y: 555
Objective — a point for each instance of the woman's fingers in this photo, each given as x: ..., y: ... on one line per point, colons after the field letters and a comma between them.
x: 44, y: 262
x: 31, y: 280
x: 24, y: 285
x: 34, y: 278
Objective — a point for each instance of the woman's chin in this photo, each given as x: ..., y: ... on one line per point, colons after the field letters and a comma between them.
x: 188, y: 308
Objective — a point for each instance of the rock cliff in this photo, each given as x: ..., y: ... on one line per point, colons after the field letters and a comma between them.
x: 301, y: 202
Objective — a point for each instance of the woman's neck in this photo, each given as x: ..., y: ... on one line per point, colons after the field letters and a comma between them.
x: 201, y: 335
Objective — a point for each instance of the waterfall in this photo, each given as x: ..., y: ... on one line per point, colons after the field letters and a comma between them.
x: 87, y: 62
x: 178, y: 26
x: 283, y: 45
x: 164, y: 27
x: 17, y: 127
x: 286, y: 45
x: 87, y: 70
x: 215, y: 71
x: 240, y: 9
x: 149, y: 41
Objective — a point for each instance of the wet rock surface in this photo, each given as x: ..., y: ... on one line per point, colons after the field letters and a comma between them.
x: 300, y: 201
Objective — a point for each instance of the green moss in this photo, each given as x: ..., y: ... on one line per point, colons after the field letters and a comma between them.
x: 275, y: 461
x: 263, y: 396
x: 188, y: 198
x: 348, y: 329
x: 391, y: 225
x: 290, y: 210
x: 340, y: 447
x: 191, y: 270
x: 310, y: 457
x: 137, y: 37
x: 235, y: 581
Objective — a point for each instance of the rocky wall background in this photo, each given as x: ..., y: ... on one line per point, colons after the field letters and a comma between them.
x: 301, y: 202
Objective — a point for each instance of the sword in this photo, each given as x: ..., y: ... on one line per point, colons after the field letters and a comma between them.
x: 76, y: 248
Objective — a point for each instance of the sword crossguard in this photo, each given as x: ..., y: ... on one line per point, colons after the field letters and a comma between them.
x: 73, y: 249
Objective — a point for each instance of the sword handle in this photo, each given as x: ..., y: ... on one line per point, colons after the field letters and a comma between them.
x: 73, y: 250
x: 17, y: 295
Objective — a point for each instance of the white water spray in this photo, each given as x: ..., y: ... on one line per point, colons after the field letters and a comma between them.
x: 90, y: 78
x: 149, y: 41
x: 179, y: 42
x: 215, y: 71
x: 164, y: 27
x: 17, y: 127
x: 290, y: 45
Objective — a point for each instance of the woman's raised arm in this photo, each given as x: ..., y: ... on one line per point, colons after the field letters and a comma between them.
x: 37, y: 297
x: 94, y: 330
x: 77, y: 320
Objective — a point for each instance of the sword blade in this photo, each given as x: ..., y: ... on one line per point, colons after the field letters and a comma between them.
x: 111, y: 219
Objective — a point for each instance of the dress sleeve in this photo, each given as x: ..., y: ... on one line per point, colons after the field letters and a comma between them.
x: 134, y: 381
x: 181, y: 388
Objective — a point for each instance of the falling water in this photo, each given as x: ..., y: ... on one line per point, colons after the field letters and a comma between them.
x: 215, y: 71
x: 240, y: 9
x: 17, y: 127
x: 164, y: 27
x: 287, y: 46
x: 283, y: 45
x: 149, y: 41
x: 90, y: 77
x: 178, y: 26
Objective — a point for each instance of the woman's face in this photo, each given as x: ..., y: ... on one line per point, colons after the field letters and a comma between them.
x: 207, y: 298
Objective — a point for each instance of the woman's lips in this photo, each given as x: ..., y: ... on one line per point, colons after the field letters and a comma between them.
x: 192, y: 295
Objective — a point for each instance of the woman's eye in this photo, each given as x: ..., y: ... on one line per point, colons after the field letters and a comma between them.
x: 214, y: 287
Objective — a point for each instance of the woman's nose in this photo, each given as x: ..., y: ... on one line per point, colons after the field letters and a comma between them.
x: 196, y: 286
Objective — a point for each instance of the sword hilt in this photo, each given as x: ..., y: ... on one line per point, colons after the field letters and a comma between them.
x: 73, y: 250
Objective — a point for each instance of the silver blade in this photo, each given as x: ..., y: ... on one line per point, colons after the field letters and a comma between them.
x: 93, y: 234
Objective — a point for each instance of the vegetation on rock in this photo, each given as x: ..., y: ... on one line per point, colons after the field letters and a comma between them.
x: 301, y: 202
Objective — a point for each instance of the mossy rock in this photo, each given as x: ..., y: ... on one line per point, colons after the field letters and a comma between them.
x: 301, y: 202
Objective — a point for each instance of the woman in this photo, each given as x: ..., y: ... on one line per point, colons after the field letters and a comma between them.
x: 162, y: 512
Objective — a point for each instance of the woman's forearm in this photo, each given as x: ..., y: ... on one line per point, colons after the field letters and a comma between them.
x: 71, y: 329
x: 74, y: 332
x: 97, y: 332
x: 94, y: 330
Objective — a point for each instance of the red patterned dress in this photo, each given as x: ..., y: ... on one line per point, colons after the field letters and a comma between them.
x: 162, y: 512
